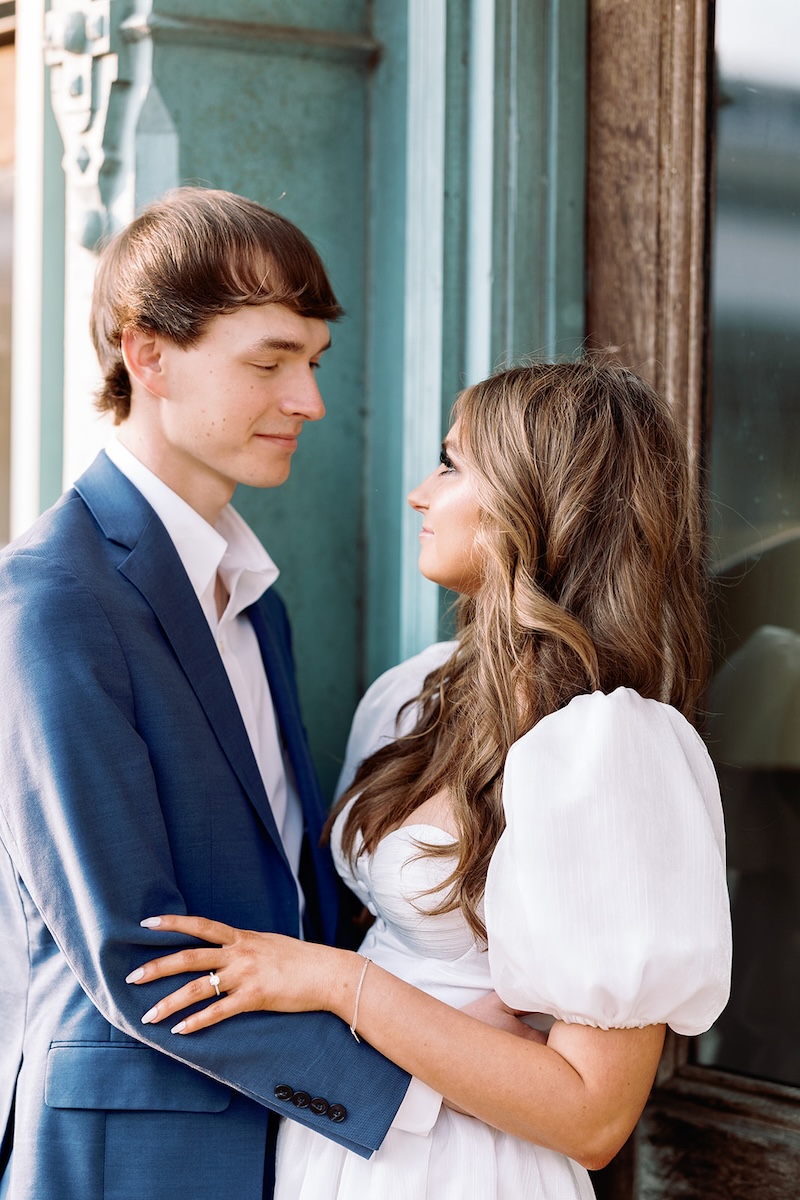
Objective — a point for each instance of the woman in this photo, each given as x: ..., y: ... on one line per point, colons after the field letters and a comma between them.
x: 543, y: 823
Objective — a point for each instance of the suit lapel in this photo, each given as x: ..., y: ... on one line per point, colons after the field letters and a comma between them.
x: 280, y: 675
x: 267, y: 618
x: 155, y: 570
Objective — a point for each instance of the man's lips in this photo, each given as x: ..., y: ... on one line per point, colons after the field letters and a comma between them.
x: 287, y: 440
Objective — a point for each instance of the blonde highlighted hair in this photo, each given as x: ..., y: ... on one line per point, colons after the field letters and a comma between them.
x: 591, y: 578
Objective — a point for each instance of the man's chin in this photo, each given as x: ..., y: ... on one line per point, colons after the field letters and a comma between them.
x: 266, y: 479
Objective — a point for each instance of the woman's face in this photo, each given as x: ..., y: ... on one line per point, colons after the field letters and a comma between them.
x: 447, y: 501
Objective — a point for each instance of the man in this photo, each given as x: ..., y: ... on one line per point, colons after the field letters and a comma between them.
x: 152, y: 752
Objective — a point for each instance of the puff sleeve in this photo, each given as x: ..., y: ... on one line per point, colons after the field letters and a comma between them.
x: 606, y: 898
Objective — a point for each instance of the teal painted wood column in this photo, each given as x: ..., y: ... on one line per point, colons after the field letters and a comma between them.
x: 476, y: 249
x: 405, y: 334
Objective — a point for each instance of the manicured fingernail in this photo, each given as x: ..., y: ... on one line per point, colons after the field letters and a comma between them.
x: 151, y: 922
x: 179, y: 1028
x: 134, y: 975
x: 150, y: 1015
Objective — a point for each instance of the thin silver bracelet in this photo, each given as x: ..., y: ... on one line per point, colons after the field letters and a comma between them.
x: 367, y: 961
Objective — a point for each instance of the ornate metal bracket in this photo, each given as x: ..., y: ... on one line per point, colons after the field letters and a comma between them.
x: 91, y: 89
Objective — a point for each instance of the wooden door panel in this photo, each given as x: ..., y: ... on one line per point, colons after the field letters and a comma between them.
x: 711, y: 1135
x: 705, y: 1133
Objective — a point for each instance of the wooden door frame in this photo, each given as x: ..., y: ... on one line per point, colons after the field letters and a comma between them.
x: 648, y: 192
x: 648, y: 224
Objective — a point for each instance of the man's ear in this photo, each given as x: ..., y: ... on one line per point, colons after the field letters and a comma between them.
x: 142, y: 353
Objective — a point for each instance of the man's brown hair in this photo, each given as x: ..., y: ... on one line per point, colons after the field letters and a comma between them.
x: 193, y: 255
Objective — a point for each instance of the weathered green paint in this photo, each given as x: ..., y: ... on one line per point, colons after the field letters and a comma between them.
x: 539, y: 178
x: 51, y: 443
x: 383, y: 488
x: 343, y: 15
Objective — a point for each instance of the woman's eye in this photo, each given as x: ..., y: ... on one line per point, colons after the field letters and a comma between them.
x: 445, y: 461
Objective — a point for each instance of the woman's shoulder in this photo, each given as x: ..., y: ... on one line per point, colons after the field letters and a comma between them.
x: 378, y: 718
x: 404, y: 681
x: 623, y: 704
x: 614, y: 753
x: 615, y: 724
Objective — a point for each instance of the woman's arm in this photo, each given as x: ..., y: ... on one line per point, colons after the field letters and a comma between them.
x: 580, y: 1094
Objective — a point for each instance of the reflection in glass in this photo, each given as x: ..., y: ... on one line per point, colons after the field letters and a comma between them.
x: 754, y: 701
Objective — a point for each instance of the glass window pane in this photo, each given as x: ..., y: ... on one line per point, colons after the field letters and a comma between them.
x: 754, y: 700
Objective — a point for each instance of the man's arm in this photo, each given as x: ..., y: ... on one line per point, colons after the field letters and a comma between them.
x: 83, y: 822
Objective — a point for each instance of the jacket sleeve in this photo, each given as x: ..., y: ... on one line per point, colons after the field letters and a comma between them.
x: 81, y: 818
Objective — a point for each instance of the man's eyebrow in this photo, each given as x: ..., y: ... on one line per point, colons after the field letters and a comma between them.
x: 289, y: 345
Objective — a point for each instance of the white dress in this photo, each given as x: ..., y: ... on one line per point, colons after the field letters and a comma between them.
x: 605, y: 904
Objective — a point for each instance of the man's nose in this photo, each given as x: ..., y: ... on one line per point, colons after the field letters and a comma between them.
x: 306, y: 400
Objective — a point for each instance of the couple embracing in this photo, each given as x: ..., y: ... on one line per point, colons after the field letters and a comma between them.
x: 527, y: 812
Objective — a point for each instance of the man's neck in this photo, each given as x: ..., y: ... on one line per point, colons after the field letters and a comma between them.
x: 207, y: 494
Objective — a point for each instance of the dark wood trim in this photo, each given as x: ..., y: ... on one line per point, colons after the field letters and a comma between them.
x: 647, y: 192
x: 647, y: 222
x: 722, y: 1095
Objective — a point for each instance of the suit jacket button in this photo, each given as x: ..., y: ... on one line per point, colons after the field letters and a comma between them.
x: 337, y: 1112
x: 319, y: 1105
x: 283, y: 1091
x: 301, y: 1099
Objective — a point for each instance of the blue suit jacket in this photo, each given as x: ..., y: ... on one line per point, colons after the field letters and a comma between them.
x: 127, y: 788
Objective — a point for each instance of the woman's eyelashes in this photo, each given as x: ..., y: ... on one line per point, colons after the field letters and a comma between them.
x: 445, y: 460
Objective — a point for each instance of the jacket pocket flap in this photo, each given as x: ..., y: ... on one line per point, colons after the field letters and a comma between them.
x: 118, y: 1075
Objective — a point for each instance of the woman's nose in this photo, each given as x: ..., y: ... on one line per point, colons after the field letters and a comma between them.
x: 417, y: 497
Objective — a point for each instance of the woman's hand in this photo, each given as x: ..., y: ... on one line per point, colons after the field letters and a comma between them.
x: 253, y: 971
x: 492, y: 1011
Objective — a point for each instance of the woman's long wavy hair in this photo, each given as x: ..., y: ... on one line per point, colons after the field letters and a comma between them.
x: 592, y: 577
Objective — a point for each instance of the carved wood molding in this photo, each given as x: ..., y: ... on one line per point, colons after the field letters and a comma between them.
x: 90, y: 88
x: 120, y: 145
x: 251, y: 36
x: 648, y: 190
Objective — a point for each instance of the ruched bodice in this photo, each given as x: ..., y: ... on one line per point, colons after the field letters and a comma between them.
x: 436, y: 952
x: 400, y: 885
